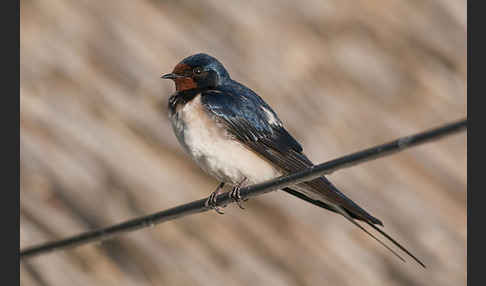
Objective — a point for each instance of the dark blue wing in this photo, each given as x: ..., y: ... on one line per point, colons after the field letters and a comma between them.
x: 251, y: 121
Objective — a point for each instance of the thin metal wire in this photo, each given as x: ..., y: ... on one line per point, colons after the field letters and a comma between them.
x: 250, y: 191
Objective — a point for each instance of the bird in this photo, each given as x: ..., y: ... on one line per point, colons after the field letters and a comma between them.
x: 235, y: 136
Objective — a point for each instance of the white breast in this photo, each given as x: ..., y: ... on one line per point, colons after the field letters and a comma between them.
x: 214, y: 151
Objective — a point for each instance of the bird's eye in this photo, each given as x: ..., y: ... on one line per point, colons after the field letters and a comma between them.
x: 197, y: 70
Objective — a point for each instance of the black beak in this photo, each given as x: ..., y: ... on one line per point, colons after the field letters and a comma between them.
x: 170, y: 76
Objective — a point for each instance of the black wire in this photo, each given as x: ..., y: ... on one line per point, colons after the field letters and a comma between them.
x: 250, y: 191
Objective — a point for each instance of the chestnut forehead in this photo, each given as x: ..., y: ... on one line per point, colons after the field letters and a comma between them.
x: 180, y: 68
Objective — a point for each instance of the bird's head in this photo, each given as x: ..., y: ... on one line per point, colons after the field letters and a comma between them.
x: 199, y: 71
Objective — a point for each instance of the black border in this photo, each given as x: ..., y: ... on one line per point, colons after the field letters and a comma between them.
x: 11, y: 170
x: 472, y: 236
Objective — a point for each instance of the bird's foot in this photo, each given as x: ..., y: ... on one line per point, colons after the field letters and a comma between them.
x: 211, y: 201
x: 235, y: 194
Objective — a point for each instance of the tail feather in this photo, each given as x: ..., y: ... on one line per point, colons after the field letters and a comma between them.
x: 355, y: 213
x: 397, y: 244
x: 348, y: 217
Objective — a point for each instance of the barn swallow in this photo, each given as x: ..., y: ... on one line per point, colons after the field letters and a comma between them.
x: 236, y: 137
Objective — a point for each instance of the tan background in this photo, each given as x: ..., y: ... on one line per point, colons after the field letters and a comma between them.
x: 97, y: 149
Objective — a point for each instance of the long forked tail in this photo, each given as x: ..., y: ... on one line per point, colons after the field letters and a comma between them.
x: 352, y: 217
x: 348, y: 217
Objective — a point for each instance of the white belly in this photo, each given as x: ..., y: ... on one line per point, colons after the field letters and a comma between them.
x: 214, y: 151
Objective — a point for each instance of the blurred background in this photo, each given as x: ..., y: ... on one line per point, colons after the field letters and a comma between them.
x: 343, y: 75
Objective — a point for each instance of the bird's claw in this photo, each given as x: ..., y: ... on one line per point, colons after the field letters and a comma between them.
x: 235, y: 194
x: 211, y: 201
